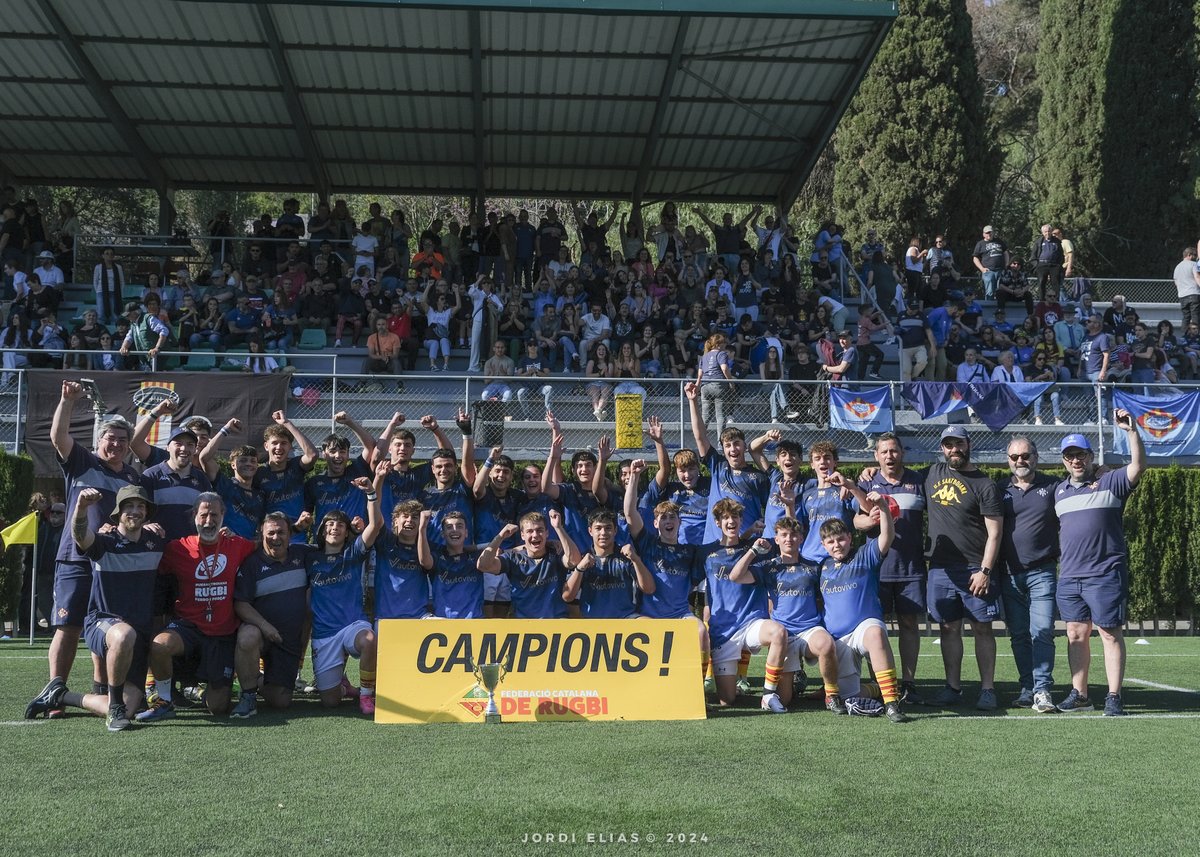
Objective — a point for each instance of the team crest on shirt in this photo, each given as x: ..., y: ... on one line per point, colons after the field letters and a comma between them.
x: 1042, y: 492
x: 211, y: 567
x: 948, y: 492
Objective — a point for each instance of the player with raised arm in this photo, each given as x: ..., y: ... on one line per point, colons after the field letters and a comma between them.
x: 607, y: 581
x: 496, y: 503
x: 733, y: 477
x: 850, y: 591
x: 120, y: 610
x: 455, y: 581
x: 339, y: 624
x: 333, y: 489
x: 832, y: 496
x: 1093, y: 583
x: 674, y: 566
x: 575, y: 495
x: 785, y: 476
x: 688, y: 490
x: 738, y: 613
x: 104, y: 470
x: 537, y: 570
x: 405, y: 480
x: 450, y: 490
x: 281, y: 479
x: 244, y: 506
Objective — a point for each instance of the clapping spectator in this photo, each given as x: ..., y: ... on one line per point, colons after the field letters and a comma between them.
x: 209, y: 327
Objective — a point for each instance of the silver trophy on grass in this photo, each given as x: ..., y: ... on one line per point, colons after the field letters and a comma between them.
x: 489, y: 677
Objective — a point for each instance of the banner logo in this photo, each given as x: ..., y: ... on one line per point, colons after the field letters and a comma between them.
x: 1158, y: 423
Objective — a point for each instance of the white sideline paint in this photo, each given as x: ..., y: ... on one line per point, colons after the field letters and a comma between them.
x: 1144, y: 683
x: 1072, y: 718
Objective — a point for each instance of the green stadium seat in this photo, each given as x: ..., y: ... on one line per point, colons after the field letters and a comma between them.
x: 313, y: 339
x: 201, y: 360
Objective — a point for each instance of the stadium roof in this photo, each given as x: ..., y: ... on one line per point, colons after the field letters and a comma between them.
x: 699, y: 99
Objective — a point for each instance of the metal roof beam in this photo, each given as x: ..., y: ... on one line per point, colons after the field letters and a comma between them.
x: 108, y: 103
x: 790, y: 189
x: 752, y: 52
x: 291, y: 94
x: 475, y: 39
x: 660, y: 111
x: 745, y: 104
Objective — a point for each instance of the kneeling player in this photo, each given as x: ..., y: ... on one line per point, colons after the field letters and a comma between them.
x: 456, y: 582
x: 340, y: 626
x: 738, y: 613
x: 793, y: 582
x: 536, y: 571
x: 850, y: 589
x: 271, y: 599
x: 606, y: 581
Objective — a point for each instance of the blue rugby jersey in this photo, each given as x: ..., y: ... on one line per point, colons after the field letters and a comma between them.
x: 676, y: 571
x: 401, y: 585
x: 1091, y: 528
x: 537, y: 584
x: 731, y: 605
x: 457, y: 585
x: 748, y: 486
x: 850, y: 590
x: 337, y: 592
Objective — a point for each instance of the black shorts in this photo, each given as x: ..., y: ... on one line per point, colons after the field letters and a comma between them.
x: 72, y: 590
x: 207, y: 659
x: 95, y: 633
x: 281, y: 662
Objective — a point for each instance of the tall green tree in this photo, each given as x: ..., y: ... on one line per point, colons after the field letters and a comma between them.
x: 913, y: 152
x: 1115, y: 129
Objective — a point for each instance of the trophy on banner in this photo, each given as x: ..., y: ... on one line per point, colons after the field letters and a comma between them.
x: 490, y: 676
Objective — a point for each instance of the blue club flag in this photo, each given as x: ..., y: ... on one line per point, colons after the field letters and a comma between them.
x: 1168, y: 425
x: 865, y: 410
x: 934, y: 398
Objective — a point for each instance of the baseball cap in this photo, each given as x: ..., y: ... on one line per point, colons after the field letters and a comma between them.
x: 131, y: 492
x: 182, y: 432
x: 954, y: 431
x: 1069, y: 309
x: 1076, y: 441
x: 988, y: 229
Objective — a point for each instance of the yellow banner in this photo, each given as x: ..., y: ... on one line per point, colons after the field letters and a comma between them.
x: 557, y: 670
x: 629, y: 421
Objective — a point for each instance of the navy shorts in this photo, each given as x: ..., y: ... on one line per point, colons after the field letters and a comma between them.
x: 902, y: 597
x: 281, y: 662
x: 72, y: 589
x: 207, y: 659
x: 95, y: 631
x: 1098, y: 600
x: 950, y: 597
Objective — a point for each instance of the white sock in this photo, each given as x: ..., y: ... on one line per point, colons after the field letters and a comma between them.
x: 163, y: 688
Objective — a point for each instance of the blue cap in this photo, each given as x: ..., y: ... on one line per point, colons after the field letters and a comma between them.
x: 183, y: 432
x: 954, y: 431
x: 1076, y: 441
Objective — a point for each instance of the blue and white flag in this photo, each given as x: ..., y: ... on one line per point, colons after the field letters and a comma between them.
x: 934, y: 398
x: 1168, y: 425
x: 998, y: 404
x: 865, y: 410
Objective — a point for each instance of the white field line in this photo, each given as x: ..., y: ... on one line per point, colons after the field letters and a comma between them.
x: 1144, y: 683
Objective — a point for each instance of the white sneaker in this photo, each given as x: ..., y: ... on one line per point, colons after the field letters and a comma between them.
x: 1042, y: 703
x: 1037, y: 421
x: 337, y: 343
x: 1058, y: 422
x: 771, y: 702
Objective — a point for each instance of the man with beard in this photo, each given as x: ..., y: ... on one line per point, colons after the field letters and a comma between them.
x: 902, y: 574
x: 1093, y: 587
x: 966, y: 520
x: 271, y: 598
x: 204, y: 567
x: 106, y: 471
x: 1029, y: 550
x: 124, y: 564
x: 174, y: 485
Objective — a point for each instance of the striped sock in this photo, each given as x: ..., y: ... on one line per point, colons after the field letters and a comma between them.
x: 831, y: 689
x: 771, y: 683
x: 705, y: 666
x: 366, y: 682
x: 744, y: 663
x: 887, y: 685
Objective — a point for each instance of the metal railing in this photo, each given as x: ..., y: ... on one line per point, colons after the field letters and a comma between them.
x: 513, y: 412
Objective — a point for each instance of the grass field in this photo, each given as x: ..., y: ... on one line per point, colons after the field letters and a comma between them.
x: 749, y: 783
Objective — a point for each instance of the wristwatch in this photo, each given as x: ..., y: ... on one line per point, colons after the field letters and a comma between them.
x: 987, y: 572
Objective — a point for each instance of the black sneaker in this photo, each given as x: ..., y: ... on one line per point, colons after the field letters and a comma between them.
x: 1075, y: 703
x: 909, y: 694
x: 834, y: 703
x: 48, y: 700
x: 894, y: 714
x: 117, y: 720
x: 1113, y: 706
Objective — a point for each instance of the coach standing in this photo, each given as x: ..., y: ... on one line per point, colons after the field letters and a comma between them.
x: 1093, y: 587
x: 1029, y: 551
x: 965, y: 524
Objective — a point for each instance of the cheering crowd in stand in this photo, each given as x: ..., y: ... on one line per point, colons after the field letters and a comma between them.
x: 172, y: 563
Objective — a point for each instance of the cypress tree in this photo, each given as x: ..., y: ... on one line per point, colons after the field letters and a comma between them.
x: 913, y: 153
x: 1118, y: 83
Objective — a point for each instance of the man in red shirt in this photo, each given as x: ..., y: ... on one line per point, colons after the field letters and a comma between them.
x: 204, y: 567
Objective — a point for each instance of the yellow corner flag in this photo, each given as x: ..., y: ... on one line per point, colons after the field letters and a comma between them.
x: 23, y: 532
